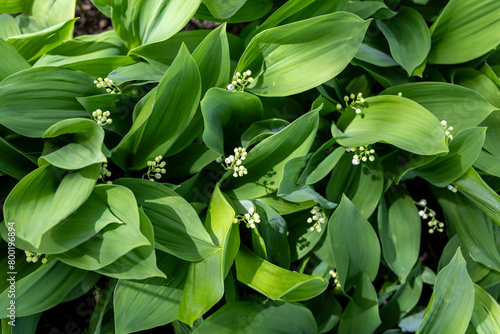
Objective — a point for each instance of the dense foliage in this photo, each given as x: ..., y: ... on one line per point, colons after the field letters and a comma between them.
x: 335, y: 168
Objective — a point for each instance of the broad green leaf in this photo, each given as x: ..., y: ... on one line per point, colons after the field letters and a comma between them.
x: 205, y: 280
x: 8, y: 26
x: 464, y: 150
x: 387, y: 77
x: 326, y: 310
x: 50, y: 12
x: 318, y: 8
x: 24, y: 325
x: 295, y: 57
x: 354, y: 245
x: 479, y: 82
x: 45, y: 197
x: 78, y: 146
x: 114, y: 240
x: 104, y: 6
x: 285, y: 207
x: 492, y: 122
x: 178, y: 230
x: 410, y: 53
x: 485, y: 198
x: 11, y: 6
x: 275, y: 282
x: 453, y: 295
x: 365, y: 9
x: 363, y: 184
x: 250, y: 11
x: 254, y: 317
x: 260, y: 130
x: 361, y: 314
x: 265, y: 162
x: 33, y: 100
x: 472, y: 227
x: 461, y: 107
x: 486, y: 314
x: 223, y: 9
x: 13, y: 161
x: 135, y: 72
x: 374, y: 56
x: 488, y: 163
x: 12, y: 61
x: 173, y: 106
x: 399, y: 231
x: 56, y: 278
x: 33, y: 45
x: 395, y: 120
x: 190, y: 160
x: 140, y: 305
x: 225, y: 114
x: 464, y: 31
x: 139, y: 22
x: 322, y: 162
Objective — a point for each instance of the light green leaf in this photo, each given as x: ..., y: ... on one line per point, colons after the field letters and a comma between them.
x: 461, y: 107
x: 275, y: 282
x: 265, y: 162
x: 135, y: 72
x: 11, y: 6
x: 488, y: 163
x: 81, y: 150
x: 478, y: 81
x: 395, y: 120
x: 261, y: 130
x: 322, y: 162
x: 50, y: 12
x: 223, y: 9
x: 296, y: 57
x: 8, y: 26
x: 354, y: 245
x: 31, y: 46
x: 44, y: 198
x: 365, y: 9
x: 250, y: 11
x: 104, y: 6
x: 253, y: 317
x: 361, y: 314
x: 171, y: 108
x: 486, y: 314
x: 464, y: 31
x: 410, y: 53
x: 140, y: 305
x: 374, y: 56
x: 205, y: 281
x: 453, y: 295
x: 33, y: 100
x: 139, y: 22
x: 492, y: 122
x: 13, y: 161
x: 12, y: 62
x: 178, y: 230
x: 399, y: 231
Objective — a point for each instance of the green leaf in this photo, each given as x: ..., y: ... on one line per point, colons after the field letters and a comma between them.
x: 464, y: 31
x: 395, y: 120
x: 486, y: 314
x: 361, y: 314
x: 261, y: 130
x: 139, y: 22
x: 453, y: 295
x: 223, y: 9
x: 50, y: 12
x: 78, y: 146
x: 250, y: 11
x: 171, y: 108
x: 485, y: 198
x: 354, y: 245
x: 8, y: 26
x: 11, y: 6
x: 178, y: 230
x: 387, y: 77
x: 13, y: 161
x: 399, y: 231
x: 461, y: 107
x: 365, y: 9
x: 265, y: 162
x: 205, y: 281
x: 488, y: 163
x: 33, y: 100
x: 225, y: 114
x: 12, y: 62
x: 410, y: 53
x: 322, y: 162
x: 299, y: 56
x: 44, y: 198
x: 140, y: 305
x: 492, y: 122
x: 275, y: 282
x: 472, y: 227
x: 464, y: 150
x: 370, y: 54
x: 478, y: 81
x: 253, y: 317
x: 56, y: 278
x: 104, y: 6
x: 31, y: 46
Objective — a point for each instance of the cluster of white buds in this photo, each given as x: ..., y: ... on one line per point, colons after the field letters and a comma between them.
x: 234, y: 162
x: 335, y: 278
x: 240, y: 81
x: 362, y: 153
x: 452, y: 188
x: 447, y: 129
x: 249, y: 218
x: 102, y: 118
x: 105, y: 173
x: 34, y: 257
x: 155, y: 169
x: 108, y: 84
x: 427, y: 213
x: 318, y: 218
x: 357, y: 102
